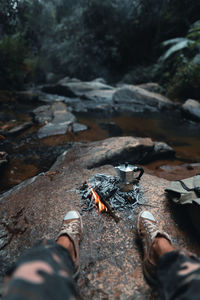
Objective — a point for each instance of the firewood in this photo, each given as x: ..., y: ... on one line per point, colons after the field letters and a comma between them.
x: 110, y: 210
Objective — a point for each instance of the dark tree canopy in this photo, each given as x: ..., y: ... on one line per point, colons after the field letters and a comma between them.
x: 8, y: 16
x: 92, y: 38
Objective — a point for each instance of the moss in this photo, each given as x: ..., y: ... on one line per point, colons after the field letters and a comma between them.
x: 186, y: 82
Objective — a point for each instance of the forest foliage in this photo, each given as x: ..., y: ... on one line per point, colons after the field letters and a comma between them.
x: 42, y: 40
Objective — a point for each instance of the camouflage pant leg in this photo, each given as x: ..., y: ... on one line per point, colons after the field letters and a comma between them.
x: 179, y: 276
x: 43, y: 273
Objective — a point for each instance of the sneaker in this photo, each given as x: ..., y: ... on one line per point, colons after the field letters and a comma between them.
x: 72, y: 227
x: 148, y: 230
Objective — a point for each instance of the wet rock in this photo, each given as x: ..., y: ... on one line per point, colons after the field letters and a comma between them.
x: 104, y: 95
x: 191, y: 109
x: 101, y: 80
x: 19, y: 128
x: 136, y: 99
x: 51, y: 98
x: 80, y: 88
x: 110, y: 263
x: 151, y: 87
x: 122, y: 149
x: 3, y: 160
x: 75, y: 88
x: 60, y: 113
x: 162, y: 150
x: 97, y: 96
x: 53, y: 129
x: 77, y: 127
x: 43, y: 114
x: 62, y: 120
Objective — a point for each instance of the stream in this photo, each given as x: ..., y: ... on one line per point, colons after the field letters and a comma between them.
x: 29, y: 155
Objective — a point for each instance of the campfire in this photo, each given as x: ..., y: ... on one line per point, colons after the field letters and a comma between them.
x: 101, y: 207
x: 103, y: 192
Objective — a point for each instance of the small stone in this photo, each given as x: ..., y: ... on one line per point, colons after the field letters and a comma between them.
x: 20, y: 128
x: 79, y: 127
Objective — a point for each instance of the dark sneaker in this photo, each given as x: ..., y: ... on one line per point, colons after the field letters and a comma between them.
x: 148, y: 231
x: 72, y: 227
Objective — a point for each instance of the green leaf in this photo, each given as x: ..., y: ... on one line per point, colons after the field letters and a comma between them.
x: 173, y: 41
x: 195, y: 26
x: 184, y: 43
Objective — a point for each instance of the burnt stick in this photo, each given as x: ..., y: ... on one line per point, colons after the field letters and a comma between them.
x: 110, y: 211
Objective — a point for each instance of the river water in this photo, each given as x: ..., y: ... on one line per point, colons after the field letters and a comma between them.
x: 30, y: 156
x: 183, y: 135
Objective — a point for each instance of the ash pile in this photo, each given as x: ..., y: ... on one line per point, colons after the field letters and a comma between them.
x: 108, y: 188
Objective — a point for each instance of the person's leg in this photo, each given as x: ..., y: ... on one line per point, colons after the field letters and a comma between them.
x: 176, y: 274
x: 47, y: 270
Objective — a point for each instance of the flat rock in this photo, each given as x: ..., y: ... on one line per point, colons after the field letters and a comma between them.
x: 51, y: 129
x: 61, y: 114
x: 19, y: 128
x: 136, y: 99
x: 75, y: 88
x: 111, y: 265
x: 97, y: 96
x: 58, y: 119
x: 191, y: 109
x: 77, y: 127
x: 43, y: 114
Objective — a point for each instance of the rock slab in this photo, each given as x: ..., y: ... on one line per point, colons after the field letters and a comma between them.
x: 58, y: 120
x: 139, y: 99
x: 97, y: 96
x: 111, y: 265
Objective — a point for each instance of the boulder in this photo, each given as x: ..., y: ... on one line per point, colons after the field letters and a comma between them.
x: 121, y: 149
x: 110, y: 262
x: 136, y: 99
x: 100, y: 97
x: 191, y: 109
x: 75, y: 88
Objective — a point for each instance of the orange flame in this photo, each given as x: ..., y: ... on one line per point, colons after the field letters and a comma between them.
x: 101, y: 207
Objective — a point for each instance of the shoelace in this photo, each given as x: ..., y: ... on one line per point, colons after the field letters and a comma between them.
x: 71, y: 227
x: 150, y: 227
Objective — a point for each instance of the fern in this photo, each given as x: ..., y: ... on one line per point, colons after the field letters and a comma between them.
x: 177, y: 45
